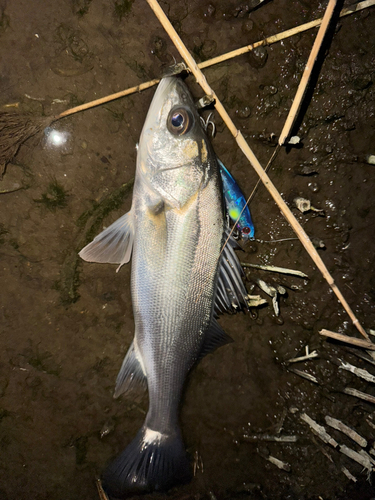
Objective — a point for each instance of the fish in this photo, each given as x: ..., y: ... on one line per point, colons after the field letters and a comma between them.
x: 236, y: 204
x: 182, y: 278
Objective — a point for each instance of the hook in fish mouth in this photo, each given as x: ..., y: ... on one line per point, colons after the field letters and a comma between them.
x: 176, y: 69
x: 206, y: 123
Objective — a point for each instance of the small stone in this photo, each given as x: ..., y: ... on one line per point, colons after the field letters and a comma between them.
x: 248, y: 26
x: 307, y: 170
x: 244, y: 112
x: 362, y: 82
x: 318, y: 243
x: 370, y: 159
x: 313, y: 186
x: 258, y: 57
x: 241, y: 11
x: 210, y: 11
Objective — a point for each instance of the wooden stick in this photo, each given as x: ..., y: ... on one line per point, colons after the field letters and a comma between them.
x: 359, y: 394
x: 340, y: 426
x: 108, y: 98
x: 296, y: 105
x: 281, y: 36
x: 253, y: 160
x: 216, y: 60
x: 348, y: 340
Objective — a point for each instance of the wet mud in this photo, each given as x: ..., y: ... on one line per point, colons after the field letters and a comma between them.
x: 66, y: 325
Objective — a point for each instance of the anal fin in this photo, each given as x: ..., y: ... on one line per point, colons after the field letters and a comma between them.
x: 131, y: 374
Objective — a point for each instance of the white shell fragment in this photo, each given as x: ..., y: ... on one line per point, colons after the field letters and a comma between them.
x: 272, y: 292
x: 304, y: 205
x: 255, y: 301
x: 294, y: 140
x: 370, y: 159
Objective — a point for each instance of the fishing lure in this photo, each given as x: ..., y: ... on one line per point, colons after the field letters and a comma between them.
x: 235, y: 202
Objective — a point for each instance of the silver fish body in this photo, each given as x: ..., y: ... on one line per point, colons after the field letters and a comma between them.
x: 175, y: 231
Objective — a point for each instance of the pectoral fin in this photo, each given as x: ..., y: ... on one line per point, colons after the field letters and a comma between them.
x: 113, y: 245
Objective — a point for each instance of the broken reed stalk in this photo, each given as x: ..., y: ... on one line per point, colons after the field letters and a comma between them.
x: 348, y: 340
x: 301, y: 91
x: 15, y: 129
x: 283, y: 35
x: 201, y: 80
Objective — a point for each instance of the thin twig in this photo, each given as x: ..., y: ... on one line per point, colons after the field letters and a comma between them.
x: 338, y: 425
x: 304, y: 375
x: 216, y: 60
x: 275, y: 269
x: 359, y: 394
x: 319, y: 430
x: 360, y: 372
x: 310, y: 355
x: 102, y: 494
x: 348, y: 474
x: 270, y: 438
x: 296, y: 105
x: 201, y: 80
x: 357, y: 457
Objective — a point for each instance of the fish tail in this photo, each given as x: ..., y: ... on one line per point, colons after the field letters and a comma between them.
x: 152, y: 461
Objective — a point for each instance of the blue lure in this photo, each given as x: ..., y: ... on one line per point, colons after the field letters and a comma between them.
x: 235, y: 201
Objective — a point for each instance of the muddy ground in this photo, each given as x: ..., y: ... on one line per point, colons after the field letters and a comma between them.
x: 66, y: 325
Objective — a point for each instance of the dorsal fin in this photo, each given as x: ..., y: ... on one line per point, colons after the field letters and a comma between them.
x: 231, y: 294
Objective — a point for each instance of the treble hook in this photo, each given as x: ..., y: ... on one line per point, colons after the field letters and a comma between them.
x: 207, y: 122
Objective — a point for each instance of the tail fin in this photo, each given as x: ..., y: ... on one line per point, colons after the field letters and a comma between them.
x: 152, y: 461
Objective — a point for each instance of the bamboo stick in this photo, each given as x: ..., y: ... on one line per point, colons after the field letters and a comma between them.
x: 108, y: 98
x: 348, y: 340
x: 216, y: 60
x: 252, y: 159
x: 15, y: 129
x: 296, y: 105
x: 283, y: 35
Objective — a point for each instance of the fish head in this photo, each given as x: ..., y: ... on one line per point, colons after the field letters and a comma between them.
x: 174, y: 155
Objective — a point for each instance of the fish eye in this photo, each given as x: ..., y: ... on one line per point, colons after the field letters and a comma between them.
x: 179, y: 121
x: 246, y: 230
